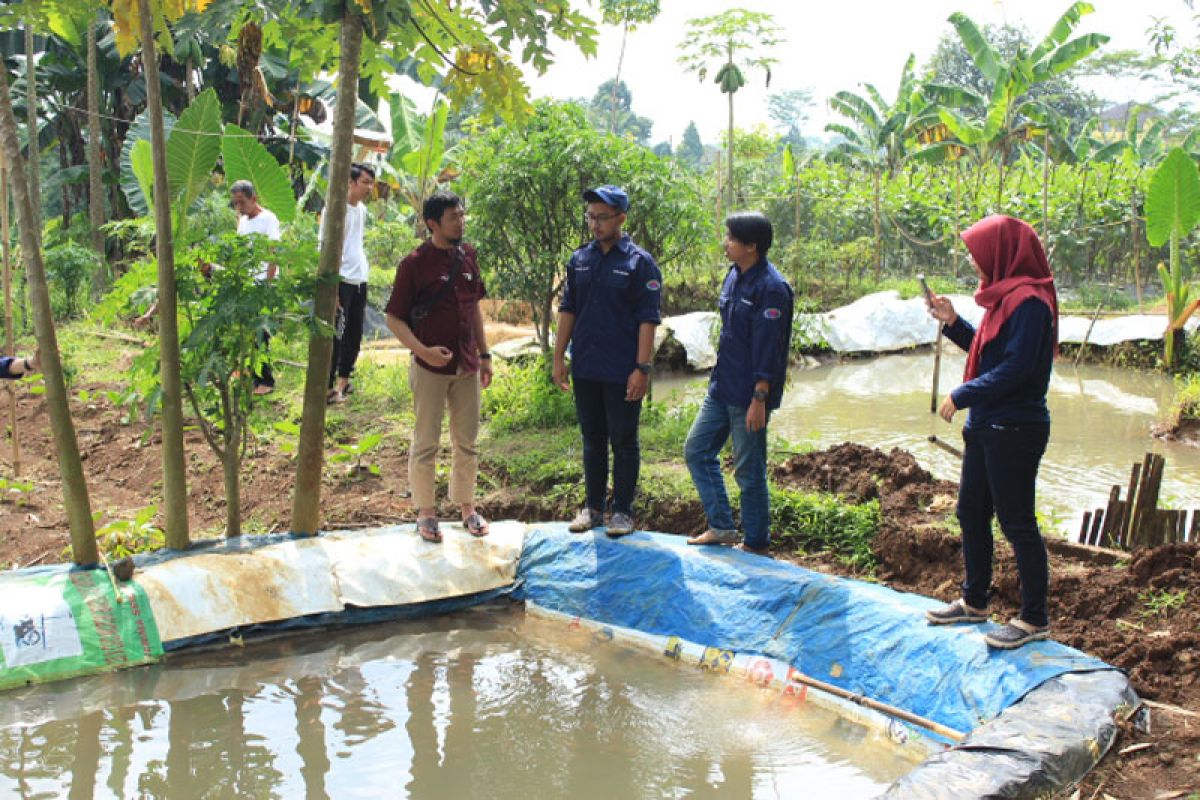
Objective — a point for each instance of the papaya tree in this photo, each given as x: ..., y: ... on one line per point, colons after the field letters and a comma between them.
x: 628, y: 14
x: 70, y: 465
x: 732, y: 42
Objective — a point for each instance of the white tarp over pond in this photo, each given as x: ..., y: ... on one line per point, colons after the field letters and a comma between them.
x: 883, y: 322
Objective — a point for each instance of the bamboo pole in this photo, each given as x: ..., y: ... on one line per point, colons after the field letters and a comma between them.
x: 890, y: 710
x: 9, y: 332
x: 937, y: 371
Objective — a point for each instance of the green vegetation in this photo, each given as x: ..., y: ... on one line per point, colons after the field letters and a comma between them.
x: 1160, y: 603
x: 818, y: 522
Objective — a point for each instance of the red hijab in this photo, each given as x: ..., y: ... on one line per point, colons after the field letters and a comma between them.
x: 1015, y: 269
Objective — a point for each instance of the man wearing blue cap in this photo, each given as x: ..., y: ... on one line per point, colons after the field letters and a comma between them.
x: 611, y: 304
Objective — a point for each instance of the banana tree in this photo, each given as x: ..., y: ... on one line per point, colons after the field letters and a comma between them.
x: 418, y: 160
x: 724, y: 39
x: 876, y: 136
x: 993, y: 125
x: 1172, y: 211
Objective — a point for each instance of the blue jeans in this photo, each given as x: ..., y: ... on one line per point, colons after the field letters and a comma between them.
x: 710, y: 431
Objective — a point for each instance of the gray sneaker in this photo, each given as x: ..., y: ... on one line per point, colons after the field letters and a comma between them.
x: 585, y: 520
x: 620, y: 524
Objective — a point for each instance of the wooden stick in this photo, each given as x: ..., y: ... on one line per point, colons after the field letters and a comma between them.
x: 937, y: 370
x: 1088, y: 335
x: 120, y: 337
x: 949, y: 448
x: 1084, y: 532
x: 1170, y: 708
x: 111, y: 578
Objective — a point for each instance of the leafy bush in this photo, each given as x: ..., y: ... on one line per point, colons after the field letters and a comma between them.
x: 820, y: 522
x: 523, y: 397
x: 69, y: 270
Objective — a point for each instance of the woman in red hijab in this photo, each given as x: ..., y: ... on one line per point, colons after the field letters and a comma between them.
x: 1009, y: 360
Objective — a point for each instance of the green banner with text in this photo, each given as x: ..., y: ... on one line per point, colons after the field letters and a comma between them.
x: 63, y: 624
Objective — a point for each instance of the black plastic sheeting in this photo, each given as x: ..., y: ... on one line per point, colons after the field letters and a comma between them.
x: 1045, y: 743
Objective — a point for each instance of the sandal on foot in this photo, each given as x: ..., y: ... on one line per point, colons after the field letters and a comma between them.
x: 427, y: 527
x: 712, y: 536
x: 475, y: 524
x: 334, y: 397
x: 764, y: 551
x: 1015, y: 633
x: 958, y: 611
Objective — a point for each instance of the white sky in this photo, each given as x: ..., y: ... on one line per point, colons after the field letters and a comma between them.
x: 831, y: 45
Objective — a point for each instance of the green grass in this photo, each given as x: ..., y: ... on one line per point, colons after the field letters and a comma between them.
x: 817, y: 522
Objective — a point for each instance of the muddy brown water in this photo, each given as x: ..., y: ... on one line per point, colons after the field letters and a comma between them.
x: 485, y: 703
x: 1100, y: 424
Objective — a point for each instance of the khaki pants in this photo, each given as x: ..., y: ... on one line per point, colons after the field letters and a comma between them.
x: 431, y: 394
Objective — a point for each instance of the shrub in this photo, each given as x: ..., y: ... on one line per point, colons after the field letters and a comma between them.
x: 820, y: 522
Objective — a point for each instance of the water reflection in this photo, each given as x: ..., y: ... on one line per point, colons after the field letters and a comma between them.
x: 1101, y: 419
x: 482, y: 704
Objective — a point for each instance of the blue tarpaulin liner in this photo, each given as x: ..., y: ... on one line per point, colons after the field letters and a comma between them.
x: 862, y: 637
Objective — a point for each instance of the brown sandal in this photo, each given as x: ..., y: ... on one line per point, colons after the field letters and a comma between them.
x: 427, y: 528
x: 476, y: 525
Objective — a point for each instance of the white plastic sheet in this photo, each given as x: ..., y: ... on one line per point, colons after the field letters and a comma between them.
x: 208, y: 592
x: 882, y: 322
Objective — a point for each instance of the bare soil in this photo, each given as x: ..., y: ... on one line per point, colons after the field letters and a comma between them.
x: 1102, y: 610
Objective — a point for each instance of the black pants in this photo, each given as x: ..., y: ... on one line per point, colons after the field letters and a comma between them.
x: 353, y: 299
x: 606, y: 418
x: 265, y: 375
x: 999, y: 472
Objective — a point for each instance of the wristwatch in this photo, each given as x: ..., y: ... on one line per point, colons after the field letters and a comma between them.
x: 645, y: 367
x: 760, y: 394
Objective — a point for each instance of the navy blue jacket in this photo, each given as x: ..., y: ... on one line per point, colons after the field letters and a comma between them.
x: 611, y: 294
x: 756, y: 335
x: 4, y: 362
x: 1014, y: 369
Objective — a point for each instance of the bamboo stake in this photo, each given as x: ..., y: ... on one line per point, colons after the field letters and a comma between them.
x: 9, y: 333
x: 937, y: 370
x: 890, y: 710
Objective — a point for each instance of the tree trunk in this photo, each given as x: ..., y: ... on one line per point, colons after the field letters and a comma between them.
x: 31, y: 121
x: 306, y: 502
x: 70, y: 466
x: 9, y: 322
x: 729, y: 179
x: 612, y: 97
x: 878, y: 226
x: 95, y: 172
x: 1046, y: 186
x: 1135, y: 238
x: 231, y: 464
x: 174, y: 468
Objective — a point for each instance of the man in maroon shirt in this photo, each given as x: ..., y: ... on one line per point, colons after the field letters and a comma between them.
x: 434, y: 311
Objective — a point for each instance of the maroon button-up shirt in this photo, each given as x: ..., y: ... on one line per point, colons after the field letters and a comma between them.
x: 451, y: 321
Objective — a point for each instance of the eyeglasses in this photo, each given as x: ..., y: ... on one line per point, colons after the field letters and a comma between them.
x: 590, y: 217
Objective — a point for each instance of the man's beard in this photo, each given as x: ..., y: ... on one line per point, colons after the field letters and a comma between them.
x: 456, y: 241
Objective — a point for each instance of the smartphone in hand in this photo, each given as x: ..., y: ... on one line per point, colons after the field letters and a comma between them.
x: 925, y: 287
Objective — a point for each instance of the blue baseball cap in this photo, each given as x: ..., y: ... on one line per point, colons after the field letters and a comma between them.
x: 609, y: 195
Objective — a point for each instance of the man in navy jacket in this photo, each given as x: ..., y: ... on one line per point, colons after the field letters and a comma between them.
x: 745, y: 386
x: 611, y: 304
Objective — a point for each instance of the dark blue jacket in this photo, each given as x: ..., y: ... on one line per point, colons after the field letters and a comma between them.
x: 756, y: 335
x: 611, y: 294
x: 1014, y: 369
x: 4, y: 362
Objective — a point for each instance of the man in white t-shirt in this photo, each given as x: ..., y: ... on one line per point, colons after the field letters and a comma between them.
x: 352, y: 290
x: 254, y: 219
